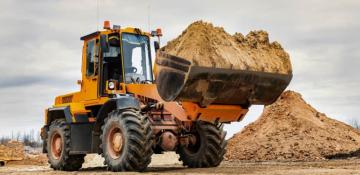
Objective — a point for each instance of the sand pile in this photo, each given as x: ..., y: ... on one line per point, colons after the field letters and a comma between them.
x: 290, y: 129
x: 12, y: 150
x: 209, y: 46
x: 15, y: 152
x: 31, y: 159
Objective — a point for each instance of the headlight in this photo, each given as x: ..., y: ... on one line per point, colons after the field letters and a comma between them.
x: 111, y: 85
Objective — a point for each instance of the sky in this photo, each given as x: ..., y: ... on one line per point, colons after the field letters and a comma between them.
x: 41, y: 49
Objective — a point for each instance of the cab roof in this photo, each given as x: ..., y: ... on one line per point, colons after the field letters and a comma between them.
x: 108, y: 31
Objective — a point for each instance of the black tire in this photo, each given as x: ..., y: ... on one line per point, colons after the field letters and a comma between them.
x: 209, y: 149
x: 136, y: 135
x: 64, y: 161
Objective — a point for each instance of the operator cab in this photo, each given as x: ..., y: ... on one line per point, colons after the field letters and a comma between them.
x: 137, y: 58
x: 111, y: 63
x: 116, y: 56
x: 126, y: 59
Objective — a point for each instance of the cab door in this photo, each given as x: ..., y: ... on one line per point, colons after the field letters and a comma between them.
x: 90, y: 70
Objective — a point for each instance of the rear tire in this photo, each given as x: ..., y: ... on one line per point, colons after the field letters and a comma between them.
x: 126, y: 141
x: 58, y: 146
x: 209, y: 148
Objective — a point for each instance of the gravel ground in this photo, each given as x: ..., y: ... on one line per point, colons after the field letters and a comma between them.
x: 168, y: 164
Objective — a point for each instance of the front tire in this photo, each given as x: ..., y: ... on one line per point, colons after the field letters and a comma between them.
x: 126, y: 141
x: 207, y: 149
x: 58, y: 148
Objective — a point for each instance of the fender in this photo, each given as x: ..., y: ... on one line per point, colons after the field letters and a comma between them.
x: 58, y: 112
x: 120, y: 102
x: 125, y: 102
x: 52, y: 114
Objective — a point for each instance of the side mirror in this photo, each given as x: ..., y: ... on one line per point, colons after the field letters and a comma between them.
x: 104, y: 43
x: 156, y: 46
x: 79, y: 82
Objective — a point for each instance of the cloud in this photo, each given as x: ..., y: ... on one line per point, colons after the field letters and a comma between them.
x: 20, y: 81
x: 41, y: 51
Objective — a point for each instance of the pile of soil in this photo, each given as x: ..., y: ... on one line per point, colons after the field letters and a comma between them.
x: 209, y: 46
x: 12, y: 150
x: 31, y: 159
x: 290, y: 129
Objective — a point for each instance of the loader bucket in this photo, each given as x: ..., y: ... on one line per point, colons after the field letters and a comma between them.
x: 178, y: 80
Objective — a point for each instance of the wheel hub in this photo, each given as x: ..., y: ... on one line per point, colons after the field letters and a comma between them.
x: 56, y: 145
x: 192, y: 139
x: 115, y: 142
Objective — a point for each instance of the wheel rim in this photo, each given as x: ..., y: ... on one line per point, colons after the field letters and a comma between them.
x: 56, y: 145
x: 115, y: 142
x: 194, y: 143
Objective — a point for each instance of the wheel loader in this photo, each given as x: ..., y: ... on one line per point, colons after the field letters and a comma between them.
x: 129, y: 108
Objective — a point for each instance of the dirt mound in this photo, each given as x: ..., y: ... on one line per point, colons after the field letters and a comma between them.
x: 15, y: 152
x: 12, y: 150
x: 209, y: 46
x: 290, y: 129
x: 31, y: 159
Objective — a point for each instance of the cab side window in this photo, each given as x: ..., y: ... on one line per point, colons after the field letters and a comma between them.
x: 90, y: 58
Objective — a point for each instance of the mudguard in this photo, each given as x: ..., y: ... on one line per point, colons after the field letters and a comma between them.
x: 58, y: 112
x: 120, y: 102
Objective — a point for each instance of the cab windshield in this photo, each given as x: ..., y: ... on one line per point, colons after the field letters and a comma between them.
x: 137, y: 61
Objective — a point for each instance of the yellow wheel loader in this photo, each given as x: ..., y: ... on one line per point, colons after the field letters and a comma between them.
x: 128, y: 109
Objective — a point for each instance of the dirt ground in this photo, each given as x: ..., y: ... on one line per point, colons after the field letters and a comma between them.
x: 168, y: 164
